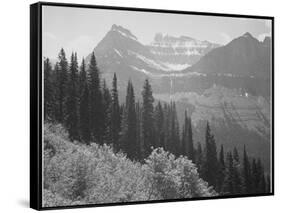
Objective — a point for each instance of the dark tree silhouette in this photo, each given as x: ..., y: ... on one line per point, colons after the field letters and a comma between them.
x: 115, y: 115
x: 187, y: 138
x: 159, y: 125
x: 246, y: 173
x: 210, y: 167
x: 96, y: 111
x: 61, y: 86
x: 72, y: 99
x: 147, y: 118
x: 49, y: 102
x: 129, y: 126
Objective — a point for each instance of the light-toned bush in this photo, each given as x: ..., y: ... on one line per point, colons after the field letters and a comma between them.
x: 75, y: 174
x: 172, y: 178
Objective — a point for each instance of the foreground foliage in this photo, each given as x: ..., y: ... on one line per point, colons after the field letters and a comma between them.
x: 76, y: 174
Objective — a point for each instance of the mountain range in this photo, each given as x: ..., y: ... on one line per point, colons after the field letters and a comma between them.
x: 229, y: 85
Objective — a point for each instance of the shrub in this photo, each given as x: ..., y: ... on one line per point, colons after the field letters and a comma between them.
x: 75, y: 173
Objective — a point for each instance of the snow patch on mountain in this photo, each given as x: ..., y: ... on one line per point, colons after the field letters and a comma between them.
x: 155, y: 64
x: 176, y: 67
x: 150, y: 62
x: 143, y: 71
x: 118, y: 53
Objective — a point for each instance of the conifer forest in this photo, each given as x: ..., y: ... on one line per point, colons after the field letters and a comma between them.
x: 100, y: 148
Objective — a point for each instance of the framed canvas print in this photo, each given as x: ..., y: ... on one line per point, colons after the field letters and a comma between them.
x: 133, y: 105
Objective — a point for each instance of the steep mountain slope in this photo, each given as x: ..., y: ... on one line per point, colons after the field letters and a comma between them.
x: 121, y: 52
x: 244, y: 56
x: 117, y: 53
x: 236, y: 117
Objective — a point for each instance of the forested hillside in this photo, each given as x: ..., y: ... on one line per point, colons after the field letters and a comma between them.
x: 97, y: 149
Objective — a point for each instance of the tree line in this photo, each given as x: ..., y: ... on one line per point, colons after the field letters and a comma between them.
x: 79, y: 99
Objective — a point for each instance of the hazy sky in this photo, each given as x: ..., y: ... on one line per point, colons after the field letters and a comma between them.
x: 80, y: 29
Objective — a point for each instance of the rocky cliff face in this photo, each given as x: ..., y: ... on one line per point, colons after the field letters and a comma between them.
x: 179, y: 52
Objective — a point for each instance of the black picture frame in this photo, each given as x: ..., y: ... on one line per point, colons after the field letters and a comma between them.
x: 36, y: 102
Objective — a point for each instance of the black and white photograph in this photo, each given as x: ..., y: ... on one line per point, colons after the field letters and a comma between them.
x: 146, y: 106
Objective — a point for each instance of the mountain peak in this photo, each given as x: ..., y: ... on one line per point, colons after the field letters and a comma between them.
x: 267, y: 40
x: 248, y: 35
x: 123, y: 31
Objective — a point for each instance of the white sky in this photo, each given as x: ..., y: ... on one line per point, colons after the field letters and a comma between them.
x: 80, y: 29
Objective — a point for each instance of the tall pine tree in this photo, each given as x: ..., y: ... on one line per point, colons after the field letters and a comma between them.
x: 147, y: 118
x: 84, y: 112
x: 106, y: 132
x: 48, y: 92
x: 246, y: 173
x: 237, y: 182
x: 139, y: 145
x: 61, y: 86
x: 129, y: 126
x: 187, y: 138
x: 84, y: 106
x: 210, y: 164
x: 72, y: 100
x: 221, y: 170
x: 115, y: 119
x: 159, y: 125
x: 96, y: 105
x: 228, y: 185
x: 82, y: 77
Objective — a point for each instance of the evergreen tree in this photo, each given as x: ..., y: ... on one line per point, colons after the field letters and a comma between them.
x: 221, y: 158
x: 56, y: 93
x: 187, y: 139
x: 129, y: 126
x: 71, y: 101
x: 174, y: 137
x: 61, y: 86
x: 147, y: 118
x: 259, y: 177
x: 84, y: 110
x: 96, y: 105
x: 85, y: 130
x: 139, y: 146
x: 48, y: 92
x: 254, y: 176
x: 228, y: 186
x: 246, y: 173
x: 221, y: 170
x: 167, y: 124
x: 82, y: 77
x: 115, y: 115
x: 210, y: 165
x: 106, y: 114
x: 237, y: 182
x: 159, y: 125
